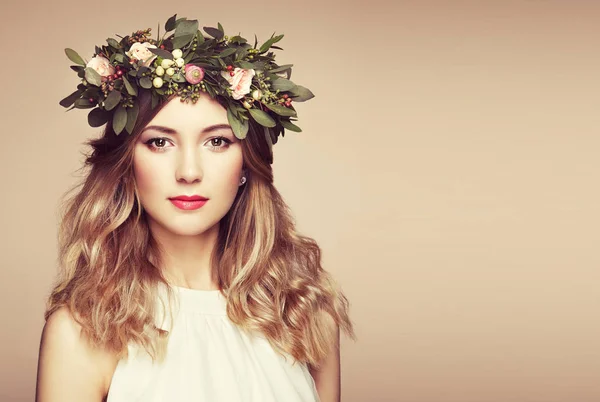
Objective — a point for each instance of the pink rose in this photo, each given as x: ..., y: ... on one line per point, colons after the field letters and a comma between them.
x: 139, y: 51
x: 240, y: 81
x: 193, y: 74
x: 101, y: 65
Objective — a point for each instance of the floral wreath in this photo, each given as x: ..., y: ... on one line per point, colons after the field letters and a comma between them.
x: 186, y: 63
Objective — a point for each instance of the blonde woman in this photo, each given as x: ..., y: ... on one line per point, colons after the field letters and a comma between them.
x: 182, y: 275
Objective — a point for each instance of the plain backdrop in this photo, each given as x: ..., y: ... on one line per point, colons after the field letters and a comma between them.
x: 448, y: 167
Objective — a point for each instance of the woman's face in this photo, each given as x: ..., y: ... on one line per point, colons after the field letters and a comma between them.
x: 187, y: 149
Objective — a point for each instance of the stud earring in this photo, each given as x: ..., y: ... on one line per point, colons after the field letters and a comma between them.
x: 242, y: 180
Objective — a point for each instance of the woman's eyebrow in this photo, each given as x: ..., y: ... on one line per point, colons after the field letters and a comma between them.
x: 208, y: 129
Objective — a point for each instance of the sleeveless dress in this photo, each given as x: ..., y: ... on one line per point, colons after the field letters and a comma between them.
x: 209, y: 359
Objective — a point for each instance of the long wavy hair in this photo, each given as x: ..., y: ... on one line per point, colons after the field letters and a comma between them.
x: 270, y: 274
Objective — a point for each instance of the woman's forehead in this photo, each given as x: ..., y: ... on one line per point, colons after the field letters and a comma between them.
x: 188, y: 116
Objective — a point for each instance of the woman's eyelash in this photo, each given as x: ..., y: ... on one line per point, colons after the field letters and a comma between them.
x: 226, y: 140
x: 151, y: 143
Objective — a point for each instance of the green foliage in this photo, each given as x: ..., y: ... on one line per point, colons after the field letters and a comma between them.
x: 265, y: 98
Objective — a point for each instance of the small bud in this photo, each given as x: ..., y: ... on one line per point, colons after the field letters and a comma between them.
x: 177, y: 53
x: 159, y: 71
x: 170, y: 71
x: 247, y: 105
x: 157, y: 82
x: 166, y: 63
x: 179, y: 62
x: 257, y: 94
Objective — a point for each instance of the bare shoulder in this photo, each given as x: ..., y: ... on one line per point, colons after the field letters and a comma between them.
x: 69, y: 368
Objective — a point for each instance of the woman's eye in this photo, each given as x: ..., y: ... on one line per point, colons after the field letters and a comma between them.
x: 219, y: 143
x: 160, y: 144
x: 157, y: 144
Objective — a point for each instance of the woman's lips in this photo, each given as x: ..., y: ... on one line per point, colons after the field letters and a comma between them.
x: 187, y: 205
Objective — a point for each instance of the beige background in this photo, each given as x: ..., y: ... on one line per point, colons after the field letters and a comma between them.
x: 448, y: 167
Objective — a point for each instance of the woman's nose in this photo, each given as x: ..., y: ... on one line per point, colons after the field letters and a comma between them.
x: 189, y: 167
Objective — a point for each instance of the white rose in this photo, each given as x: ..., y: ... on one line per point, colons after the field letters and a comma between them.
x: 139, y: 51
x: 179, y: 62
x: 240, y: 81
x: 177, y: 53
x: 101, y: 65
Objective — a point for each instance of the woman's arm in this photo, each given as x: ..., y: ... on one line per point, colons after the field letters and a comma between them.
x: 327, y: 377
x: 69, y: 369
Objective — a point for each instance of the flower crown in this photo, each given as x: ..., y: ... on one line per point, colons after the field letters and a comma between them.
x: 186, y: 63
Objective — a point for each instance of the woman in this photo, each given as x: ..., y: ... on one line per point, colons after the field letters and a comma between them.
x: 183, y: 278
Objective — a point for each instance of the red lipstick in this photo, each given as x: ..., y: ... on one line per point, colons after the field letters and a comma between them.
x: 188, y: 202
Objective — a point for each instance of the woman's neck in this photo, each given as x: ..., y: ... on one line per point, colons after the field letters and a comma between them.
x: 186, y: 259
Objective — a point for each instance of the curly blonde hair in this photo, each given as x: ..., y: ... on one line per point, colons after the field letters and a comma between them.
x: 109, y: 277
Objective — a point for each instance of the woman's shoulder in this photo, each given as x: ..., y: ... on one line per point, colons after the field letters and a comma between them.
x: 70, y: 367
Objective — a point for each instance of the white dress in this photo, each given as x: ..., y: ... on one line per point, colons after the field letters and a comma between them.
x: 209, y: 359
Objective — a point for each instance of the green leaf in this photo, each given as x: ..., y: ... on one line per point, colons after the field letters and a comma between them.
x: 119, y: 120
x: 237, y: 39
x: 186, y: 27
x: 112, y: 100
x: 84, y: 104
x: 93, y: 77
x: 265, y: 46
x: 131, y: 90
x: 240, y: 53
x: 214, y: 32
x: 69, y: 100
x: 180, y: 41
x: 260, y: 65
x: 77, y: 68
x: 98, y: 117
x: 227, y: 52
x: 220, y: 27
x: 113, y: 43
x: 199, y: 37
x: 301, y: 94
x: 245, y: 64
x: 282, y: 84
x: 240, y: 128
x: 170, y: 24
x: 281, y: 69
x: 75, y: 58
x: 132, y: 114
x: 141, y: 70
x: 288, y: 125
x: 145, y: 83
x: 91, y: 92
x: 178, y: 77
x: 119, y: 57
x: 282, y: 110
x: 262, y: 118
x: 162, y: 53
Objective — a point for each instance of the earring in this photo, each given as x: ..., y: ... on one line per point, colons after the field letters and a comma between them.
x: 242, y: 180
